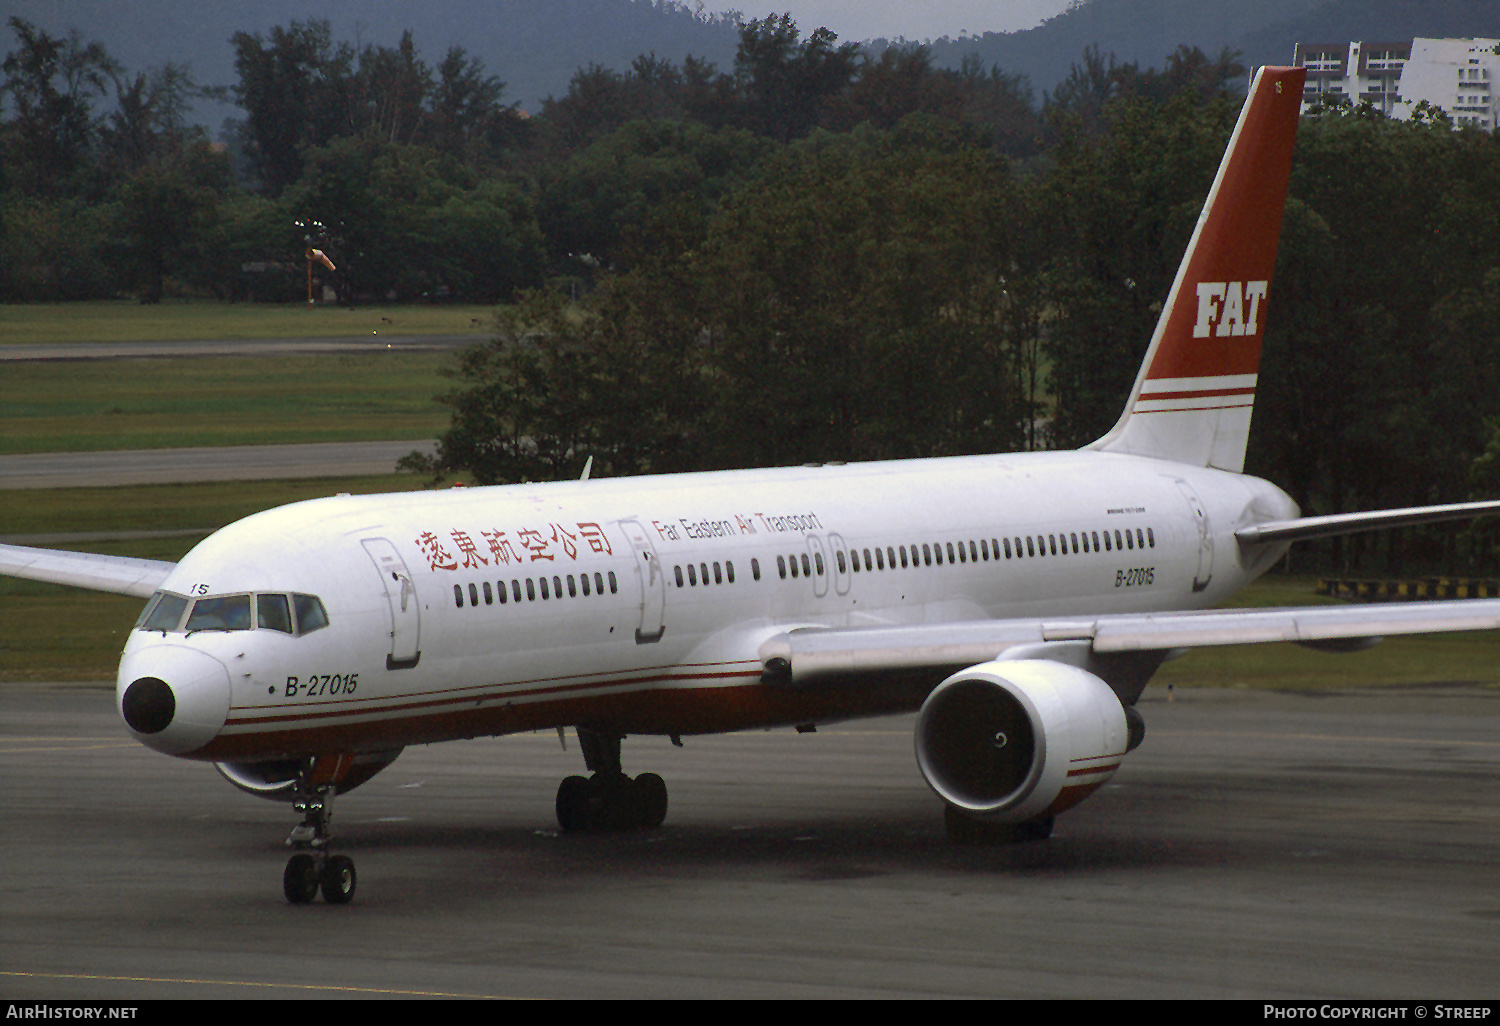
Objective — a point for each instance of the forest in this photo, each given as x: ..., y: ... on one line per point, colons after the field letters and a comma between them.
x: 816, y: 254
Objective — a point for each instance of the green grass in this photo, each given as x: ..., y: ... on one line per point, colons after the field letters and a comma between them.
x: 174, y: 507
x: 192, y: 320
x: 88, y: 405
x: 55, y: 633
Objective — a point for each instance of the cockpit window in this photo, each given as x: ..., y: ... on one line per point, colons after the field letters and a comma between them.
x: 163, y: 612
x: 273, y: 613
x: 223, y: 613
x: 233, y: 613
x: 310, y: 613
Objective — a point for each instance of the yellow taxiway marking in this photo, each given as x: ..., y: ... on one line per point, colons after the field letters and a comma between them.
x: 253, y: 983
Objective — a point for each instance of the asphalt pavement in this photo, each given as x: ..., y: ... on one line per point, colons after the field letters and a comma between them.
x: 1257, y: 845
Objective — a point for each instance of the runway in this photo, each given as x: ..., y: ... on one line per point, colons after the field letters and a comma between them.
x: 1258, y: 845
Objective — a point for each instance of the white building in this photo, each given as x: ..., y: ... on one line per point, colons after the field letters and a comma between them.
x: 1453, y: 75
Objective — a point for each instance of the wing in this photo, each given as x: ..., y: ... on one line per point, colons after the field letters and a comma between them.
x: 1351, y: 523
x: 123, y: 575
x: 806, y: 657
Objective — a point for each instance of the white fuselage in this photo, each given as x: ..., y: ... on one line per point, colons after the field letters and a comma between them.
x: 420, y: 647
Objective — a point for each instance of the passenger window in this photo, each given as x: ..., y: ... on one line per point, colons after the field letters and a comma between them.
x: 677, y: 572
x: 926, y: 554
x: 781, y: 566
x: 458, y: 596
x: 530, y: 590
x: 937, y: 553
x: 806, y: 566
x: 902, y: 550
x: 1096, y: 539
x: 473, y: 595
x: 843, y: 564
x: 557, y: 586
x: 817, y: 563
x: 1007, y: 548
x: 879, y: 560
x: 489, y: 596
x: 755, y: 568
x: 500, y: 587
x: 703, y: 573
x: 572, y: 588
x: 1151, y: 537
x: 311, y: 615
x: 1052, y: 544
x: 1119, y: 544
x: 599, y: 583
x: 584, y: 580
x: 984, y: 550
x: 1107, y: 547
x: 950, y: 553
x: 973, y: 552
x: 692, y: 575
x: 515, y: 589
x: 729, y: 570
x: 614, y: 585
x: 1129, y: 541
x: 890, y: 556
x: 226, y: 613
x: 273, y: 613
x: 1029, y: 550
x: 854, y: 559
x: 542, y: 582
x: 793, y: 562
x: 719, y: 577
x: 1140, y: 539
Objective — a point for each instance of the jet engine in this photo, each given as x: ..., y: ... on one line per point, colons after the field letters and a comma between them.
x: 1017, y: 740
x: 277, y: 779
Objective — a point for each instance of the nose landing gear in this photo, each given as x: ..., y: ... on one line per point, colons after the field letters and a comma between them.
x: 313, y: 868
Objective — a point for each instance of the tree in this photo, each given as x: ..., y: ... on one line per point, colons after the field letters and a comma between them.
x: 50, y: 85
x: 297, y: 89
x: 787, y: 82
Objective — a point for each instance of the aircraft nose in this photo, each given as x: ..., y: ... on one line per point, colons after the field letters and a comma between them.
x: 173, y: 698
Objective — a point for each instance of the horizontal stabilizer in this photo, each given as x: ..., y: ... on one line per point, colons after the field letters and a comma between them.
x: 1304, y: 528
x: 123, y: 575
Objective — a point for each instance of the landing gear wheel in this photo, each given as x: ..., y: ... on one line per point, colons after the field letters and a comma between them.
x: 573, y: 804
x: 338, y: 880
x: 650, y: 800
x: 300, y: 881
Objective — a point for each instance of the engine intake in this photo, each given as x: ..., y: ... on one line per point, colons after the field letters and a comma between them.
x: 1015, y: 739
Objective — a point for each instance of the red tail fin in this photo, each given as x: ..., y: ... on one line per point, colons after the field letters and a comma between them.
x: 1192, y: 400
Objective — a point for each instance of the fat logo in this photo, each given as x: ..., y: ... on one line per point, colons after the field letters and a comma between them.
x: 1232, y: 305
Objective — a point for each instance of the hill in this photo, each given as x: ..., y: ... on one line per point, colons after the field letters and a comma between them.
x: 1147, y: 31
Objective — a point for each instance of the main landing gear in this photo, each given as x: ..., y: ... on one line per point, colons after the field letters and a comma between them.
x: 608, y: 799
x: 313, y: 869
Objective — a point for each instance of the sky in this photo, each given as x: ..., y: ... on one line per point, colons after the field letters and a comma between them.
x: 855, y: 20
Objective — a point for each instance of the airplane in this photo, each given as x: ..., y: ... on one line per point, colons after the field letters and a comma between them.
x: 1019, y: 603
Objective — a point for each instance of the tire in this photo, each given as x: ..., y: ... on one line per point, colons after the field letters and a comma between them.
x: 573, y: 804
x: 650, y: 800
x: 339, y: 880
x: 300, y: 881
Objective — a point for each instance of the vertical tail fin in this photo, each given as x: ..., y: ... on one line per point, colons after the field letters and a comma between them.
x: 1193, y: 397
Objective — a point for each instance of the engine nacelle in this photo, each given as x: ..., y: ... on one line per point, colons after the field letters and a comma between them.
x: 277, y: 779
x: 1016, y: 739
